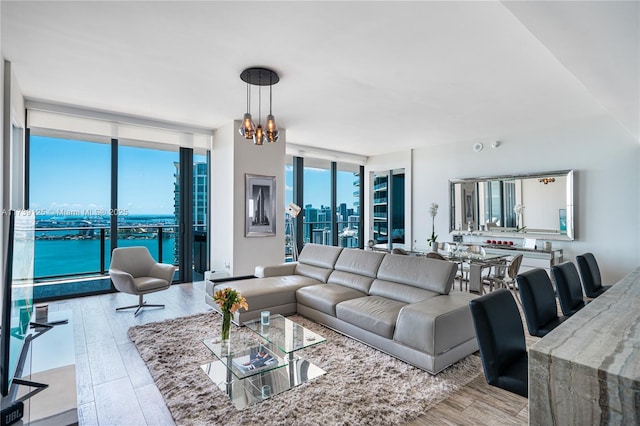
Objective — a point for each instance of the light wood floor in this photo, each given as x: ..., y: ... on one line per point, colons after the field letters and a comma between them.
x: 115, y: 387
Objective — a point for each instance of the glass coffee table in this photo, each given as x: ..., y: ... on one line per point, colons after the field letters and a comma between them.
x: 251, y: 368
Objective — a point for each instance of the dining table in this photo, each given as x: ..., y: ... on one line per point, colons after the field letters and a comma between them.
x: 477, y: 263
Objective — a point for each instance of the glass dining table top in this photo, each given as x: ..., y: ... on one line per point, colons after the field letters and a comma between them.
x: 473, y: 257
x: 285, y: 334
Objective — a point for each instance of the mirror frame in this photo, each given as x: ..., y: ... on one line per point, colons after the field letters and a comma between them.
x: 512, y: 233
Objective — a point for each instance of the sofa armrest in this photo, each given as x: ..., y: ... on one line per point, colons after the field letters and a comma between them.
x: 276, y: 270
x: 436, y: 325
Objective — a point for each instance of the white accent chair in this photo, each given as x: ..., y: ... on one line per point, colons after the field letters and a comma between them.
x: 134, y: 271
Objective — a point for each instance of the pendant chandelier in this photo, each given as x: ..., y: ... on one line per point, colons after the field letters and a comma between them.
x: 259, y: 77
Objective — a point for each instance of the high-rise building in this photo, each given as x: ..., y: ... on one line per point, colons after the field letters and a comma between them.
x: 200, y: 196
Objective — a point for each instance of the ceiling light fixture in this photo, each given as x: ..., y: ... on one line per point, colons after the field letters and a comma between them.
x: 257, y: 76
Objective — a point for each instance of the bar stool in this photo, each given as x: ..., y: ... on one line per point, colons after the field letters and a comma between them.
x: 568, y: 286
x: 538, y: 302
x: 590, y: 273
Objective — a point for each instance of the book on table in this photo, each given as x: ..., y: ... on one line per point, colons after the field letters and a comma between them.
x: 259, y: 358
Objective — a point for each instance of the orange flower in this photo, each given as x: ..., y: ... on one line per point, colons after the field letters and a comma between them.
x: 230, y: 300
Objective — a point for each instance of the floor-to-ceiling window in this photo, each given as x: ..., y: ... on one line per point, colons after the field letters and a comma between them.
x: 200, y: 214
x: 348, y: 204
x: 397, y: 209
x: 380, y: 189
x: 83, y: 190
x: 289, y: 229
x: 387, y: 198
x: 69, y: 187
x: 146, y: 200
x: 330, y: 196
x: 317, y: 202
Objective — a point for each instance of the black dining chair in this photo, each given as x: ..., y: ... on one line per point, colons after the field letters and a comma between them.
x: 590, y: 274
x: 538, y: 302
x: 568, y: 286
x: 500, y: 335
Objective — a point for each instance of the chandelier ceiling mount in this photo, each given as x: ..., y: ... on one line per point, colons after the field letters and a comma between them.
x: 259, y: 76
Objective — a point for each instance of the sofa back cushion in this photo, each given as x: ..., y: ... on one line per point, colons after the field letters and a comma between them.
x: 317, y: 261
x: 319, y: 255
x: 356, y: 269
x: 428, y: 274
x: 400, y: 292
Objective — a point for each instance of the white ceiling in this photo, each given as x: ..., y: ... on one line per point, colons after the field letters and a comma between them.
x: 360, y: 77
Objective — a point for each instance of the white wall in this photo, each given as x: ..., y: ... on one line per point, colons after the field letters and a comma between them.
x: 221, y: 172
x: 605, y: 159
x: 232, y: 158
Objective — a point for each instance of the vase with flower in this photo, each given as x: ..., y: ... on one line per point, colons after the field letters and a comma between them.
x: 229, y: 301
x: 519, y: 210
x: 433, y: 211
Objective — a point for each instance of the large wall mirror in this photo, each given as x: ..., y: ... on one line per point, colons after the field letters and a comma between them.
x: 522, y: 206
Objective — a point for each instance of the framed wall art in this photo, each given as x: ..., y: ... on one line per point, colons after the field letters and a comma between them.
x: 260, y: 200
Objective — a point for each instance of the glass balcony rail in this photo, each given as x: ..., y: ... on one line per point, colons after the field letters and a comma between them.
x: 380, y: 186
x: 380, y: 200
x: 75, y: 252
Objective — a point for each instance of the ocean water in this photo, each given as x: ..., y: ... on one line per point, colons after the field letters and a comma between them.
x: 70, y: 245
x: 77, y: 256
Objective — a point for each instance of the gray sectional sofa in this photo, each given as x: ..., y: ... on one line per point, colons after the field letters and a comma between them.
x: 398, y: 304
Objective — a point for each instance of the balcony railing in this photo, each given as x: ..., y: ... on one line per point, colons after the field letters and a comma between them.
x: 380, y: 186
x: 74, y: 252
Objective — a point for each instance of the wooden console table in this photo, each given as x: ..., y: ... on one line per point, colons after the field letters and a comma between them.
x: 587, y: 371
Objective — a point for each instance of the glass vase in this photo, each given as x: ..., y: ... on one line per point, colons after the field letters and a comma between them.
x: 226, y: 326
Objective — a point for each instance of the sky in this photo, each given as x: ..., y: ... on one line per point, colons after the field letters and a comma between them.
x: 68, y: 175
x: 317, y: 187
x: 72, y: 175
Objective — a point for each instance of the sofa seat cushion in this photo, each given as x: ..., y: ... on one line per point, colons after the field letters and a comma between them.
x: 348, y: 279
x: 372, y: 313
x: 325, y: 297
x: 436, y: 325
x: 263, y: 293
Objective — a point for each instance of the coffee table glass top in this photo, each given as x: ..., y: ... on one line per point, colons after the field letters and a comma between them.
x: 244, y: 356
x: 285, y: 334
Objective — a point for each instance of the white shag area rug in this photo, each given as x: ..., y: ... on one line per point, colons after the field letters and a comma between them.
x: 361, y: 385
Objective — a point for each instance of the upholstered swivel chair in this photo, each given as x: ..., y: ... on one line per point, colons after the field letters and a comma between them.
x: 500, y: 335
x: 538, y: 302
x: 590, y: 274
x: 568, y: 286
x: 134, y: 271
